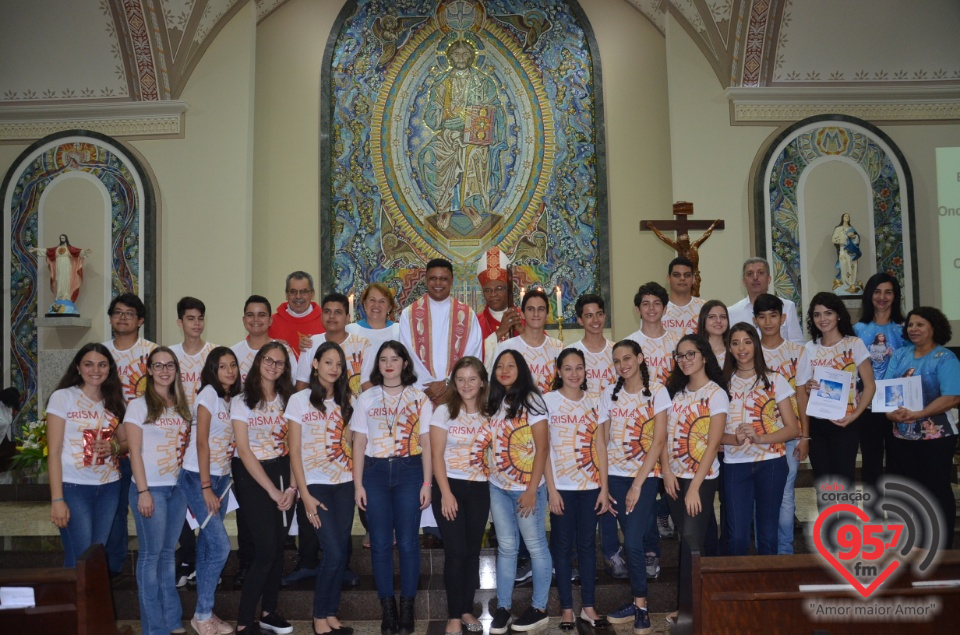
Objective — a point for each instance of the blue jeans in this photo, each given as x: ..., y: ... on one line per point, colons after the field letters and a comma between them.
x: 116, y: 545
x: 393, y: 506
x: 757, y: 483
x: 510, y: 525
x: 636, y: 527
x: 789, y: 505
x: 92, y: 508
x: 213, y: 545
x: 334, y: 536
x: 609, y: 536
x: 577, y: 525
x: 160, y: 609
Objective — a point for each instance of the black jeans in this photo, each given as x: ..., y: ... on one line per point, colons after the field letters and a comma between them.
x: 266, y: 527
x: 692, y: 531
x: 833, y: 450
x: 875, y: 432
x: 308, y: 545
x: 462, y: 539
x: 929, y: 463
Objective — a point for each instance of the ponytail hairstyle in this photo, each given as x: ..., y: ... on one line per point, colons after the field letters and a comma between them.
x: 565, y: 353
x: 210, y: 375
x: 644, y: 369
x: 454, y: 402
x: 521, y: 396
x: 112, y: 387
x: 677, y: 382
x: 155, y: 404
x: 253, y: 394
x: 759, y: 363
x: 341, y: 387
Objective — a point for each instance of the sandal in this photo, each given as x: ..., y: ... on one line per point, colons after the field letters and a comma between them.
x: 567, y: 626
x: 476, y: 627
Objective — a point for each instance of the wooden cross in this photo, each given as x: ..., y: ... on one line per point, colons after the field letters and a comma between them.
x: 682, y: 244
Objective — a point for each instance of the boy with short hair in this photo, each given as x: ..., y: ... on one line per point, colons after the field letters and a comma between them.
x: 335, y: 309
x: 192, y: 351
x: 257, y: 318
x: 784, y: 357
x: 130, y: 351
x: 657, y: 343
x: 597, y: 349
x: 192, y: 354
x: 683, y: 309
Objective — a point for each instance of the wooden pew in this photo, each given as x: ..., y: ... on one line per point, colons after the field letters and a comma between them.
x: 68, y: 600
x: 761, y: 594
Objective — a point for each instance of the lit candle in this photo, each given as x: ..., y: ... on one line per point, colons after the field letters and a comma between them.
x: 350, y: 298
x: 523, y: 292
x: 559, y: 304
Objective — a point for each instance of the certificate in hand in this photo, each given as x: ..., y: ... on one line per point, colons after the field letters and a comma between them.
x: 902, y: 392
x: 830, y: 400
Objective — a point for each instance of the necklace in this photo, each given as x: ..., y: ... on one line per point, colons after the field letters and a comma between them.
x: 386, y: 410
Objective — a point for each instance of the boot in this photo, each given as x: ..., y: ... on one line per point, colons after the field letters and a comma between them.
x: 406, y: 615
x: 388, y: 626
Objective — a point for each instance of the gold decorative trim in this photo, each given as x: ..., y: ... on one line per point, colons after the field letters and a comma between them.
x: 125, y: 121
x: 785, y: 105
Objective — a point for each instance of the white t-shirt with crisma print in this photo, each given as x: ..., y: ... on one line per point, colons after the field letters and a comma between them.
x: 266, y: 427
x: 220, y: 440
x: 163, y: 443
x: 85, y: 422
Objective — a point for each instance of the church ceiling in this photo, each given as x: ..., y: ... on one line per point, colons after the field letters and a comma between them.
x: 99, y: 51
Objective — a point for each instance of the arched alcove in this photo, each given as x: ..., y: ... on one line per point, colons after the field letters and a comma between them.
x: 90, y: 184
x: 825, y: 162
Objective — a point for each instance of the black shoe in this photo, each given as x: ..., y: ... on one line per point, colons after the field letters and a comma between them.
x: 343, y: 630
x: 388, y: 625
x: 275, y: 623
x: 253, y: 629
x: 531, y: 619
x: 501, y: 622
x: 238, y: 577
x: 406, y: 621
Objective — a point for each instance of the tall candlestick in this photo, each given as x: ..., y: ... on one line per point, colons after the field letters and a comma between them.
x: 523, y: 292
x: 559, y: 305
x: 350, y: 311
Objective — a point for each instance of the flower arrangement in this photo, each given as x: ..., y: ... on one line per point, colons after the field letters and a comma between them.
x: 32, y: 450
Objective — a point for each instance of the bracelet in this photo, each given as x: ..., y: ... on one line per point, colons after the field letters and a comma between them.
x: 426, y: 484
x: 206, y: 487
x: 57, y: 500
x: 202, y: 483
x: 116, y: 445
x: 804, y: 438
x: 143, y: 491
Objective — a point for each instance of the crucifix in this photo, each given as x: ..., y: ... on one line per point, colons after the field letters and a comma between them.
x: 682, y: 244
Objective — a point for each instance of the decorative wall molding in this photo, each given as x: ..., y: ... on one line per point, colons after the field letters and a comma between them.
x: 887, y: 105
x: 136, y: 120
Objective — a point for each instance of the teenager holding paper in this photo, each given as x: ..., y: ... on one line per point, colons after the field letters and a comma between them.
x: 205, y: 478
x: 835, y: 345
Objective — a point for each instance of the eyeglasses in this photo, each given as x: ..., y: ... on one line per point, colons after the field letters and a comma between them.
x: 129, y: 315
x: 688, y: 356
x: 274, y: 363
x: 158, y: 366
x: 492, y: 290
x: 299, y: 292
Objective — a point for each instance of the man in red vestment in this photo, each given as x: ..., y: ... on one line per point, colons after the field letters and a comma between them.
x: 497, y: 318
x: 299, y: 318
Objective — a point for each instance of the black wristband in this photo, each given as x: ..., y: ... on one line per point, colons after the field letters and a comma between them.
x: 207, y: 487
x: 143, y: 491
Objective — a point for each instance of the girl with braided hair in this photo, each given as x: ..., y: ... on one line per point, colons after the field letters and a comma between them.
x: 633, y: 414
